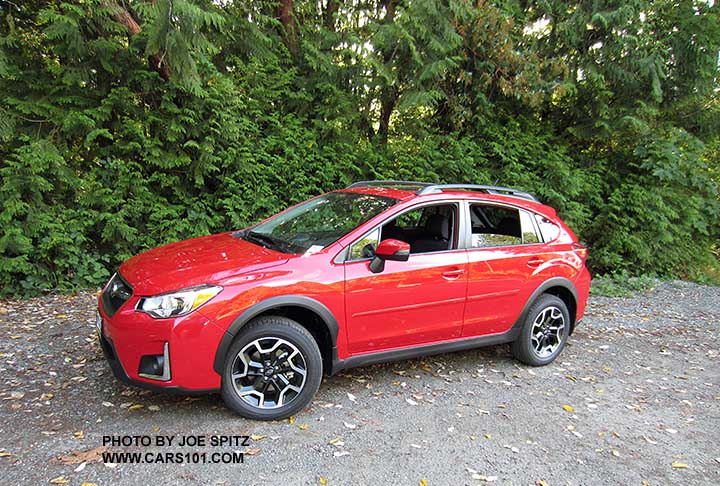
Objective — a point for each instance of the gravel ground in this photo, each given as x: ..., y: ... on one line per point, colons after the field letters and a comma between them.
x: 634, y: 400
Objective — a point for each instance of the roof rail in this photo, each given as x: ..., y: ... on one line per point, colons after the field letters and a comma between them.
x: 387, y: 183
x: 505, y: 191
x: 429, y: 188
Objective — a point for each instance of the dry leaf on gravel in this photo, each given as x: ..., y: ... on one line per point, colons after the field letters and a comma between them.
x: 349, y: 425
x: 90, y: 455
x: 59, y: 480
x: 568, y: 408
x: 257, y: 437
x: 482, y: 477
x: 251, y: 451
x: 679, y: 465
x: 341, y: 453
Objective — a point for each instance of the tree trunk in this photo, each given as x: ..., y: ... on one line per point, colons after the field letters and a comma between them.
x: 330, y: 12
x: 287, y: 19
x: 387, y: 105
x: 123, y: 17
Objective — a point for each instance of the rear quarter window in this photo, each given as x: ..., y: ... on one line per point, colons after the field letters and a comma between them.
x: 548, y: 229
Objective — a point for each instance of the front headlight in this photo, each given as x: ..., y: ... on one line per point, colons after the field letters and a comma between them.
x: 177, y: 303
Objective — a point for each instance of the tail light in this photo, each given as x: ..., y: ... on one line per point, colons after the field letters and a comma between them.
x: 581, y: 250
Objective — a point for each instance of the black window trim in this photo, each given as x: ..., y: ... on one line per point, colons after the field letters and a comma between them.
x: 460, y: 237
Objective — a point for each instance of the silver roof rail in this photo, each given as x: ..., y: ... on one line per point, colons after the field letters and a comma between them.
x: 503, y: 191
x: 387, y: 183
x: 429, y: 188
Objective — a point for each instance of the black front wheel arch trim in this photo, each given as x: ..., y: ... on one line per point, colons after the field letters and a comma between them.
x: 327, y: 318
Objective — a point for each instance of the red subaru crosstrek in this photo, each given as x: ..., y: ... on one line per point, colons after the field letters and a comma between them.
x: 380, y: 271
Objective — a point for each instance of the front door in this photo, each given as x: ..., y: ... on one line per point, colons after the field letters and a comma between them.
x: 414, y: 302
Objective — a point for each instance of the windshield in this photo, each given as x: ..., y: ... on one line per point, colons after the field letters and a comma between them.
x: 316, y: 223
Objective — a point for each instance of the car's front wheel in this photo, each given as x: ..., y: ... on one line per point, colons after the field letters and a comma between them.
x: 272, y: 370
x: 544, y: 332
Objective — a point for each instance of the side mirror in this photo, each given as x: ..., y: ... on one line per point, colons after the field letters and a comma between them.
x: 389, y: 249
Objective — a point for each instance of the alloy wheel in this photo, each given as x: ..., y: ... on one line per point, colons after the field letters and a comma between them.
x: 547, y: 332
x: 269, y: 372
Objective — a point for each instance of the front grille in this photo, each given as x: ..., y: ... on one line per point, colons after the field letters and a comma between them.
x: 116, y: 293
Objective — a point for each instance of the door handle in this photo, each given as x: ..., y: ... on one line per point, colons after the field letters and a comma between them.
x: 453, y: 274
x: 535, y: 262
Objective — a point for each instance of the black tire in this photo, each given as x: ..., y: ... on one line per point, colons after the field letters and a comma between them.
x: 524, y: 347
x: 266, y: 329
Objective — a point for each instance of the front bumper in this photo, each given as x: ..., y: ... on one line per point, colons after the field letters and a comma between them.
x: 188, y: 343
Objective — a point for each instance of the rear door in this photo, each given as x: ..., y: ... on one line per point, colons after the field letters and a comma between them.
x: 502, y: 258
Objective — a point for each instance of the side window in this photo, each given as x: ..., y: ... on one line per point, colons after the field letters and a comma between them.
x: 548, y: 229
x: 529, y: 234
x: 495, y: 226
x: 365, y: 246
x: 426, y: 229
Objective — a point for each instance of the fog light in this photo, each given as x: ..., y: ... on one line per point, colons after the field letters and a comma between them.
x: 156, y: 366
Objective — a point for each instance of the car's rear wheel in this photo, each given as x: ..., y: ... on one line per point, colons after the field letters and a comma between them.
x: 272, y: 370
x: 544, y: 332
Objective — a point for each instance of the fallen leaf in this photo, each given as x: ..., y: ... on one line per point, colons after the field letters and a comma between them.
x: 251, y: 451
x: 59, y: 480
x: 291, y: 419
x: 352, y: 397
x: 615, y: 453
x: 46, y: 396
x: 79, y: 434
x: 411, y: 401
x: 88, y: 483
x: 137, y: 406
x: 154, y: 408
x: 107, y: 404
x: 15, y: 396
x: 671, y: 431
x: 540, y: 482
x: 341, y: 453
x: 649, y: 441
x: 8, y: 454
x: 90, y: 455
x: 568, y: 408
x: 304, y: 426
x: 349, y: 425
x: 423, y: 482
x: 80, y: 467
x: 323, y: 480
x: 679, y: 465
x: 257, y: 437
x: 482, y: 477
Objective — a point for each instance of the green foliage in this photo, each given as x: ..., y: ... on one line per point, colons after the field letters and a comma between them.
x: 621, y: 284
x: 126, y: 125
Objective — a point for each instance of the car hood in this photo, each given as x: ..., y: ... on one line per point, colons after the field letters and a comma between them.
x: 208, y: 259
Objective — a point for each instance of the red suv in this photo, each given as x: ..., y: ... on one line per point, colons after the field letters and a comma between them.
x: 379, y: 271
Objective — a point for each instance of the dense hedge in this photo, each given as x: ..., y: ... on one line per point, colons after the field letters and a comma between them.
x: 117, y: 138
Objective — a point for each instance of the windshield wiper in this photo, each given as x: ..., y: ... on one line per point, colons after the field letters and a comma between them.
x: 266, y: 240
